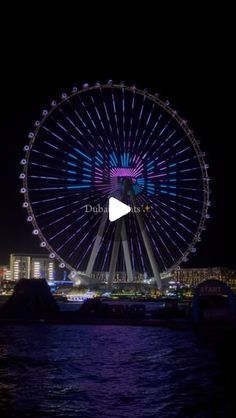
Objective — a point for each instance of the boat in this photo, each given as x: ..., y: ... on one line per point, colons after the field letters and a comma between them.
x: 81, y: 298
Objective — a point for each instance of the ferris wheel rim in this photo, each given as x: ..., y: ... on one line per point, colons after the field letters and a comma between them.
x: 173, y: 114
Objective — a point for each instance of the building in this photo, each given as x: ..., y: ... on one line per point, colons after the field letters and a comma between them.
x: 119, y: 277
x: 193, y: 276
x: 5, y: 273
x: 41, y: 267
x: 31, y: 266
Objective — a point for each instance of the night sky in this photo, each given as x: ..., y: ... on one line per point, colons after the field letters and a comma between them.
x: 192, y: 68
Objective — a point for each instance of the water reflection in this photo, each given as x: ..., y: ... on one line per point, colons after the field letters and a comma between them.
x: 107, y: 371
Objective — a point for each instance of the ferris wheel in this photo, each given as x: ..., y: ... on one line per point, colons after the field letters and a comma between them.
x: 115, y: 140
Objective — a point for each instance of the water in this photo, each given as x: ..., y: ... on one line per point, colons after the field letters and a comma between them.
x: 150, y: 306
x: 109, y: 371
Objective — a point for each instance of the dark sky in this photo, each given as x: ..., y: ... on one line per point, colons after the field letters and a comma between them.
x: 189, y: 62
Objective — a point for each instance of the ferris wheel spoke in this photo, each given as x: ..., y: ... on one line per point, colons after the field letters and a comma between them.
x: 104, y: 264
x: 88, y: 127
x: 146, y: 125
x: 157, y: 244
x: 139, y: 119
x: 137, y: 125
x: 88, y: 154
x: 84, y: 226
x: 171, y: 201
x: 160, y: 222
x: 141, y: 202
x: 171, y: 228
x: 139, y: 247
x: 47, y: 188
x: 168, y: 225
x: 119, y: 107
x: 103, y: 146
x: 68, y: 145
x: 165, y: 246
x: 75, y: 202
x: 109, y: 123
x: 50, y: 168
x: 101, y: 123
x: 154, y: 243
x: 173, y: 218
x: 171, y: 149
x: 52, y: 133
x: 137, y: 262
x: 71, y: 225
x: 188, y: 218
x: 69, y: 194
x: 132, y: 240
x: 164, y: 238
x: 123, y: 120
x: 62, y: 218
x: 115, y: 116
x: 189, y: 189
x: 72, y: 237
x: 83, y: 123
x: 53, y: 146
x: 79, y: 156
x: 164, y: 129
x: 177, y: 163
x: 105, y: 247
x: 56, y: 209
x: 183, y: 206
x: 131, y: 246
x: 61, y: 128
x: 156, y: 126
x: 73, y: 125
x: 131, y: 134
x: 49, y: 156
x: 75, y: 249
x: 82, y: 134
x: 85, y: 254
x: 69, y: 135
x: 57, y: 220
x: 166, y: 141
x: 188, y: 198
x: 81, y: 126
x: 131, y: 121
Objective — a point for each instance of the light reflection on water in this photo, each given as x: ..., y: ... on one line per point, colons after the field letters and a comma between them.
x: 106, y: 371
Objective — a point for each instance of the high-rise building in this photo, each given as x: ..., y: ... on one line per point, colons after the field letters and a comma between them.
x: 31, y: 266
x: 194, y: 276
x: 5, y: 273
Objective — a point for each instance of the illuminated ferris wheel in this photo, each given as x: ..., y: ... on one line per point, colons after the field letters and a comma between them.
x: 113, y: 140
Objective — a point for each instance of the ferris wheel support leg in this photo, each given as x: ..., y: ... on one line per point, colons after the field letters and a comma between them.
x: 151, y: 256
x: 96, y: 245
x: 126, y: 252
x: 148, y: 246
x: 114, y: 255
